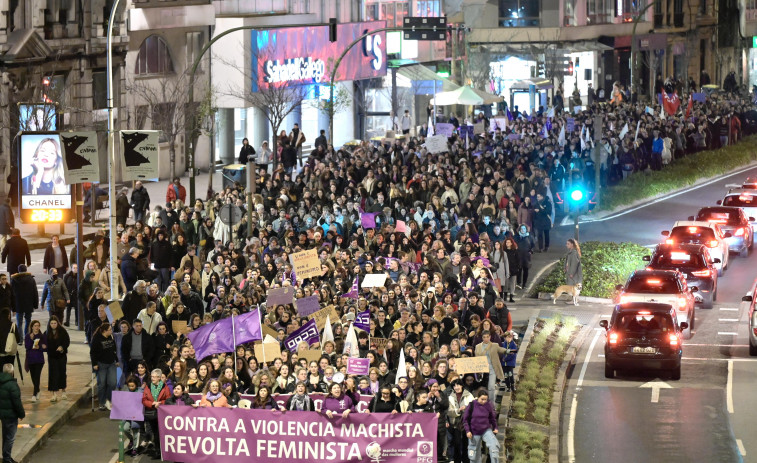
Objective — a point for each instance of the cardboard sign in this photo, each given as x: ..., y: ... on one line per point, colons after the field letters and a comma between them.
x: 179, y: 327
x: 306, y: 264
x: 267, y: 352
x: 358, y: 366
x: 479, y: 128
x: 139, y: 154
x: 268, y: 331
x: 81, y: 163
x: 444, y: 128
x: 280, y: 296
x: 466, y: 365
x: 570, y: 124
x: 436, y: 144
x: 374, y: 280
x: 114, y: 312
x: 379, y: 343
x: 310, y: 355
x: 320, y: 316
x: 307, y: 305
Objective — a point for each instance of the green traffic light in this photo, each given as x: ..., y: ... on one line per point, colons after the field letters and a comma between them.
x: 577, y: 195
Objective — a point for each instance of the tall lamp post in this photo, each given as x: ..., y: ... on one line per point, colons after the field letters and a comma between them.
x: 111, y: 157
x: 636, y: 20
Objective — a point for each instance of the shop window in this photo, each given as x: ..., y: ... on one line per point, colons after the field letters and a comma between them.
x: 521, y: 13
x: 391, y: 11
x: 599, y: 11
x: 153, y: 57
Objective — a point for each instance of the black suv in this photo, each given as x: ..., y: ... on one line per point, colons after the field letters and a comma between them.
x: 643, y: 335
x: 695, y: 262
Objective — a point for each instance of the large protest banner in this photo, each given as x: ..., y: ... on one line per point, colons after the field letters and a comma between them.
x: 224, y: 435
x: 317, y: 398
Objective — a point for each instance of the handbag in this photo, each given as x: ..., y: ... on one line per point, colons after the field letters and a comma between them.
x: 150, y: 414
x: 60, y: 303
x: 10, y: 343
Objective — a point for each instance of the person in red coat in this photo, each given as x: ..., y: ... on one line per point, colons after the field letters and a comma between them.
x: 176, y: 191
x: 155, y: 394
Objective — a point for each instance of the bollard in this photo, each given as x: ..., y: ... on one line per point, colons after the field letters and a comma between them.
x: 121, y: 426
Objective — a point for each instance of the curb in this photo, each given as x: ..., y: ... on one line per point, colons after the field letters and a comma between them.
x: 598, y: 300
x: 563, y: 374
x: 49, y: 429
x: 504, y: 413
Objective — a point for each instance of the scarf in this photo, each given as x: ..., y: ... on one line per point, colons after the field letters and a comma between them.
x: 213, y: 397
x: 155, y: 390
x: 299, y: 401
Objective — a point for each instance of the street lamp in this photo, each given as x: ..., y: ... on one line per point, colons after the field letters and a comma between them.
x: 111, y: 157
x: 636, y: 20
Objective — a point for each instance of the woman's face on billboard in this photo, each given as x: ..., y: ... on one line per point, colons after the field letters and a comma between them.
x: 47, y: 155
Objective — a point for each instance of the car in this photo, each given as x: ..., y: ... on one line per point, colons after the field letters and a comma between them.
x: 643, y: 335
x: 698, y: 232
x: 662, y: 286
x: 695, y: 262
x: 750, y: 183
x: 732, y: 220
x: 751, y: 298
x: 746, y: 199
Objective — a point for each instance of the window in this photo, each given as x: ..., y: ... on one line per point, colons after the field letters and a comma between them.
x: 99, y: 89
x: 628, y: 9
x: 153, y: 57
x: 428, y: 8
x: 195, y: 42
x: 599, y: 11
x: 523, y: 13
x: 392, y: 11
x: 140, y: 117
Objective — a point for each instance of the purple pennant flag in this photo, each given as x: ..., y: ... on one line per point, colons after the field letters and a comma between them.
x: 363, y: 321
x: 308, y: 333
x: 509, y: 114
x: 368, y: 219
x: 247, y: 327
x: 127, y: 406
x: 353, y: 291
x: 212, y: 338
x: 549, y: 124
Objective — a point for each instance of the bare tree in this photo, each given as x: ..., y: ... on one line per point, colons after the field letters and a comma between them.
x: 169, y: 109
x: 479, y: 68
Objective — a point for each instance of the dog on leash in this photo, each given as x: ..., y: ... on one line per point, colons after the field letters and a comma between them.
x: 570, y: 290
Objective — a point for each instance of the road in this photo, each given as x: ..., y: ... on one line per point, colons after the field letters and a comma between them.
x: 703, y: 417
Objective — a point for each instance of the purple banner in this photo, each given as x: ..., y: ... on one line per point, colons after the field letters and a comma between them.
x: 316, y: 397
x: 368, y: 219
x: 444, y: 128
x: 307, y: 332
x: 363, y: 320
x: 308, y: 305
x: 358, y: 366
x: 226, y: 435
x: 212, y: 338
x: 699, y: 97
x: 127, y: 406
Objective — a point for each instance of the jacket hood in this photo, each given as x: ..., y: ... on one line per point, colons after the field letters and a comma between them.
x: 20, y: 275
x: 5, y: 377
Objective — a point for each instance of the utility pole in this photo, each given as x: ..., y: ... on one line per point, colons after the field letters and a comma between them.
x: 111, y: 160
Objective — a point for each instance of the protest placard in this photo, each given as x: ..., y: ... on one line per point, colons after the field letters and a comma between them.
x: 373, y: 280
x: 570, y: 124
x: 310, y: 355
x: 307, y: 305
x: 436, y: 144
x: 179, y: 327
x: 269, y: 331
x: 358, y: 366
x: 266, y: 352
x: 479, y: 128
x: 379, y: 343
x: 497, y: 123
x: 320, y: 316
x: 280, y: 296
x: 114, y: 312
x: 305, y: 264
x: 466, y: 365
x: 306, y: 333
x: 444, y: 128
x: 127, y: 406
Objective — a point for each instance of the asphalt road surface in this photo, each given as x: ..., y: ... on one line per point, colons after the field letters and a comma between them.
x: 645, y: 416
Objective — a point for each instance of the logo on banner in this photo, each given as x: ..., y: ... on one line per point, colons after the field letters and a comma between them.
x: 425, y: 451
x: 372, y: 48
x: 295, y: 70
x: 308, y: 333
x: 373, y: 451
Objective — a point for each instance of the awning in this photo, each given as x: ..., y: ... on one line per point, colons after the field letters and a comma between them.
x: 419, y: 72
x: 525, y: 84
x: 466, y: 96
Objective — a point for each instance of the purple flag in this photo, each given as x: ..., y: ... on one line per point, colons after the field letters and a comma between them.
x: 247, y: 327
x: 509, y: 114
x: 353, y: 291
x: 363, y: 320
x: 358, y: 366
x: 212, y: 338
x: 549, y: 124
x: 127, y: 406
x: 368, y: 219
x: 308, y: 333
x: 236, y: 434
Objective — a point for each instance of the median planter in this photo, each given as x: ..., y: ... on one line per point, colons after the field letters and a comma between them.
x: 604, y: 265
x: 530, y: 412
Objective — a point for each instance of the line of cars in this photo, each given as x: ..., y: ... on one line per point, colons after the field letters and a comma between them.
x: 655, y: 310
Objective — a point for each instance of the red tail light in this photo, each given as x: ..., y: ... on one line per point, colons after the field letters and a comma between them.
x: 674, y: 340
x: 739, y: 232
x: 682, y: 302
x: 668, y: 241
x: 624, y: 299
x: 754, y: 330
x: 613, y: 337
x: 712, y: 244
x: 701, y: 273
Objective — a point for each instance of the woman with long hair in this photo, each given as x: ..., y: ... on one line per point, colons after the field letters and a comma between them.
x: 36, y: 346
x: 263, y: 400
x: 102, y: 352
x: 573, y: 271
x: 47, y: 176
x: 513, y: 262
x: 58, y: 342
x: 213, y: 395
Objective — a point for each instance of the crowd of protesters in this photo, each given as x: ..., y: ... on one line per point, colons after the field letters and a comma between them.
x: 453, y: 232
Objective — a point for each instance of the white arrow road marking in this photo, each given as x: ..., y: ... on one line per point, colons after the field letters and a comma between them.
x: 656, y: 385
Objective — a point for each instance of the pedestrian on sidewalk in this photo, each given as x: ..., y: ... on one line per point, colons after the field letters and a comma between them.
x: 513, y: 261
x: 122, y: 207
x: 296, y: 140
x: 480, y: 422
x: 16, y: 251
x: 265, y: 156
x: 247, y: 152
x: 140, y: 201
x: 70, y: 279
x: 55, y: 256
x: 573, y: 270
x: 11, y: 410
x: 526, y: 245
x: 508, y: 360
x: 176, y: 191
x: 58, y: 342
x: 8, y: 328
x: 102, y: 353
x: 36, y: 346
x: 492, y: 352
x: 55, y: 295
x: 26, y: 296
x: 7, y: 222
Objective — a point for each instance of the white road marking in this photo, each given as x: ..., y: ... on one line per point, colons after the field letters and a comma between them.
x: 601, y: 356
x: 572, y: 430
x: 656, y: 386
x: 729, y: 388
x: 730, y: 308
x: 715, y: 345
x: 586, y: 360
x: 740, y: 445
x: 728, y: 319
x: 727, y: 333
x: 655, y: 395
x: 114, y: 459
x: 710, y: 359
x: 584, y: 219
x: 607, y: 315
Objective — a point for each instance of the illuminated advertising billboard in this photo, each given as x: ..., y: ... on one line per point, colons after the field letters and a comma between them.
x: 44, y: 194
x: 304, y: 55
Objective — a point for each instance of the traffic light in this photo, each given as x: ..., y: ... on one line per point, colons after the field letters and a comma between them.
x: 332, y: 29
x: 578, y: 197
x: 570, y: 68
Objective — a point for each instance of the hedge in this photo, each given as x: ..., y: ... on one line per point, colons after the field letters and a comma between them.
x: 604, y: 264
x: 679, y: 174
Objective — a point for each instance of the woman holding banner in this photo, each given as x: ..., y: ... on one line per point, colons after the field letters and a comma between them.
x: 337, y: 403
x: 154, y: 395
x: 300, y: 400
x: 213, y: 395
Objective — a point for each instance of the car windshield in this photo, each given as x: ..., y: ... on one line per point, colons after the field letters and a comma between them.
x: 696, y: 235
x: 740, y: 201
x: 652, y: 284
x: 729, y: 217
x: 644, y: 323
x: 678, y: 259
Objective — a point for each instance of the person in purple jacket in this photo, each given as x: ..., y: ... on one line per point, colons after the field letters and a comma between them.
x: 480, y: 423
x: 337, y: 402
x: 36, y: 346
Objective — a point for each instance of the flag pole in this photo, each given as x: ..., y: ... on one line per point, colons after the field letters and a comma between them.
x: 234, y: 340
x: 260, y: 321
